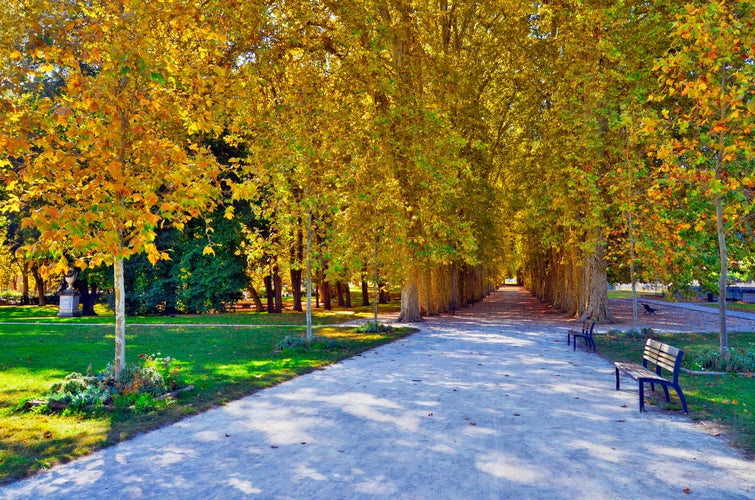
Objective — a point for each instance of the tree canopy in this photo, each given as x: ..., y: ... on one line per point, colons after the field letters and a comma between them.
x: 447, y: 144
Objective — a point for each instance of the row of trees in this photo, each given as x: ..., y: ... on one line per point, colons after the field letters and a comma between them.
x: 431, y: 144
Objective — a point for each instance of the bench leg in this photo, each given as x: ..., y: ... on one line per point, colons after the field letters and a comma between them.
x: 642, y: 397
x: 665, y: 391
x: 617, y: 379
x: 681, y: 398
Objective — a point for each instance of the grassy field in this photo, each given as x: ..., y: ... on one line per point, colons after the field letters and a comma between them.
x: 727, y: 401
x: 221, y: 362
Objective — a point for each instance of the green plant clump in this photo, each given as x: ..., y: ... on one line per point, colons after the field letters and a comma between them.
x: 709, y: 359
x: 373, y: 327
x: 301, y: 344
x: 137, y: 387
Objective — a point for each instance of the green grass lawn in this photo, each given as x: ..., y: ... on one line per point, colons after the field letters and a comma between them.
x: 222, y: 362
x: 733, y: 306
x: 727, y: 401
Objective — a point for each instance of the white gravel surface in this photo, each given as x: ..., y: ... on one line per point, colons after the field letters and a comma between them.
x: 488, y: 404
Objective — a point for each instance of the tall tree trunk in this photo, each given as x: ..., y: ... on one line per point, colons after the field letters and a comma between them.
x: 270, y: 293
x: 278, y: 287
x: 296, y: 289
x: 309, y: 272
x: 297, y: 256
x: 120, y: 317
x: 723, y: 255
x: 410, y: 311
x: 596, y: 283
x: 347, y: 295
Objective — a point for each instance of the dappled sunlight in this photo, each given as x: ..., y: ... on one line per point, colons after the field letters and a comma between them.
x: 243, y: 486
x: 305, y: 472
x: 509, y: 467
x: 602, y: 452
x: 174, y: 455
x: 377, y: 485
x: 281, y: 426
x: 362, y: 405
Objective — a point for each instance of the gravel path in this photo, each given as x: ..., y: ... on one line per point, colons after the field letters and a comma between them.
x: 487, y: 404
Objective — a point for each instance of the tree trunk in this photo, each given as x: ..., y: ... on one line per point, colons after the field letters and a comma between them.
x: 327, y: 302
x: 410, y: 311
x: 385, y: 295
x: 120, y: 317
x: 256, y: 299
x: 270, y: 293
x: 596, y: 283
x: 365, y: 292
x: 340, y: 300
x: 88, y: 295
x: 347, y: 295
x: 296, y: 289
x: 278, y: 288
x: 25, y: 283
x: 723, y: 255
x: 296, y: 265
x: 40, y: 284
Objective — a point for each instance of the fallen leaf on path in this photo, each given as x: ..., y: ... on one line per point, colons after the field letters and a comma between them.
x: 687, y: 491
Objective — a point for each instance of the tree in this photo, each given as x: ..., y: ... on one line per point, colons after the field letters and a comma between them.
x: 118, y: 153
x: 707, y: 80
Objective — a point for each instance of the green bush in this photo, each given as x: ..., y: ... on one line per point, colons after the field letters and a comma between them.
x: 373, y: 327
x: 137, y: 387
x: 301, y: 344
x: 740, y: 360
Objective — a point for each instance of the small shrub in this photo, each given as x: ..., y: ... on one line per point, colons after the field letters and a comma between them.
x: 373, y: 327
x: 300, y: 343
x: 290, y: 343
x: 740, y: 360
x: 630, y: 334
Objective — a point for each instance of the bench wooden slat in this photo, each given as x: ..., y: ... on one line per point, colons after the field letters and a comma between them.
x: 661, y: 356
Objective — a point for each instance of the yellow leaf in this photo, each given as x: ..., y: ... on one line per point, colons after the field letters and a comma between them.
x: 208, y: 251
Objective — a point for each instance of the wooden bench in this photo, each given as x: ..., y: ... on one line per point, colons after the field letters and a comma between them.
x: 648, y: 309
x: 661, y: 356
x: 586, y: 333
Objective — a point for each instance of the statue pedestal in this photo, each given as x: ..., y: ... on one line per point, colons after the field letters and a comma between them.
x: 69, y: 304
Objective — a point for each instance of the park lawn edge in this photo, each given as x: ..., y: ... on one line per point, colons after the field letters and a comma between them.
x: 123, y: 425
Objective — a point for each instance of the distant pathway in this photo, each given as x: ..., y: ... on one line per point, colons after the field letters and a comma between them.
x: 489, y: 404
